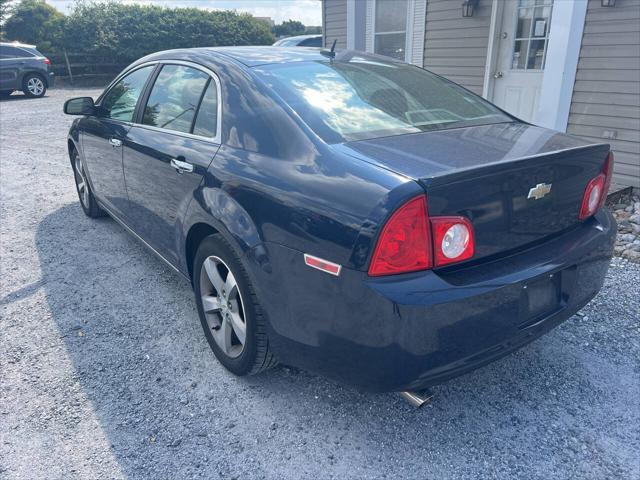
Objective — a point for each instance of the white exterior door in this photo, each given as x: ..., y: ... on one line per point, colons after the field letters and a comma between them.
x: 523, y: 43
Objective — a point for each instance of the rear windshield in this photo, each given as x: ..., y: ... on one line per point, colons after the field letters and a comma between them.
x: 364, y: 98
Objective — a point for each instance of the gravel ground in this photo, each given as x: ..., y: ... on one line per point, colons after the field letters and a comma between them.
x: 105, y: 373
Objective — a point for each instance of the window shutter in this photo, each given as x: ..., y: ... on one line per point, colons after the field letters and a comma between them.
x: 417, y: 24
x: 368, y: 36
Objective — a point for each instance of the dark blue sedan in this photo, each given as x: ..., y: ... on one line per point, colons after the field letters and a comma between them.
x: 346, y: 213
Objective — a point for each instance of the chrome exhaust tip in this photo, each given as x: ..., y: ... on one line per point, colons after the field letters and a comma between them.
x: 417, y: 399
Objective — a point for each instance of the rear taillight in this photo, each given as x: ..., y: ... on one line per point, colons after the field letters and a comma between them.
x: 47, y: 61
x: 405, y: 243
x: 452, y: 240
x: 596, y: 192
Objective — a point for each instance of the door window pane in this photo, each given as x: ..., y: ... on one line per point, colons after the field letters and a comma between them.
x: 519, y: 54
x: 535, y: 60
x: 174, y: 98
x: 524, y: 22
x: 532, y: 34
x: 206, y: 121
x: 120, y: 102
x: 390, y: 28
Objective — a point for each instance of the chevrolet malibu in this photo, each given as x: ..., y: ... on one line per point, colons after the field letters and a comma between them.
x: 346, y: 213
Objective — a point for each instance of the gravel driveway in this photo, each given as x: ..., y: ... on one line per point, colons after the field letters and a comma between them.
x: 105, y: 372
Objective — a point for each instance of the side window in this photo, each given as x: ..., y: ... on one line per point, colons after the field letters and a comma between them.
x: 120, y: 102
x: 174, y: 98
x: 207, y: 118
x: 312, y: 42
x: 13, y: 52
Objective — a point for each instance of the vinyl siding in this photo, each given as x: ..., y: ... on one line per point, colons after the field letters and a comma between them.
x: 334, y: 20
x: 456, y: 47
x: 606, y: 95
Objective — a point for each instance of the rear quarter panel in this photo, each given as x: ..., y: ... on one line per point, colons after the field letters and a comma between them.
x: 323, y: 204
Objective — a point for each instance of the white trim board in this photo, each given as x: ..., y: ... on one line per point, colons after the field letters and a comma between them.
x: 565, y: 39
x: 351, y: 24
x: 492, y: 48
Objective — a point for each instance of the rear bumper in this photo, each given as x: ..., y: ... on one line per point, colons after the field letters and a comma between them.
x: 416, y: 330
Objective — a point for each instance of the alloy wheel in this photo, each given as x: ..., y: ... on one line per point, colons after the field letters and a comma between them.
x: 81, y: 181
x: 223, y: 307
x: 35, y: 86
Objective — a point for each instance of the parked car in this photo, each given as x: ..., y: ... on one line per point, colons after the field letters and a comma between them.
x: 300, y: 41
x: 22, y: 67
x: 354, y: 216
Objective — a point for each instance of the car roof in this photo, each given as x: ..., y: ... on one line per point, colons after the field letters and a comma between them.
x: 17, y: 44
x: 263, y: 55
x: 253, y: 56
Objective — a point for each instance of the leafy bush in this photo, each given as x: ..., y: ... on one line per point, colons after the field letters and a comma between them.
x: 132, y: 31
x: 125, y: 32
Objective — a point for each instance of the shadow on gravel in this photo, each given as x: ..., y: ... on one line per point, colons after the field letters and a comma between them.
x: 170, y: 410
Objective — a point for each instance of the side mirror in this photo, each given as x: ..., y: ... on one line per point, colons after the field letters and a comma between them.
x: 80, y: 106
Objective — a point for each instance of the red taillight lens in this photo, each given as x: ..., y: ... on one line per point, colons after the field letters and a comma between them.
x: 592, y: 196
x: 404, y: 243
x: 47, y: 61
x: 596, y: 192
x: 452, y: 240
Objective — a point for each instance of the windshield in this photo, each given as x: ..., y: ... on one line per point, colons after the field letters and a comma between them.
x: 366, y: 98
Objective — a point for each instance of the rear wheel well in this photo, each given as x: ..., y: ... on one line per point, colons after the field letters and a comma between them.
x: 197, y: 233
x: 36, y: 74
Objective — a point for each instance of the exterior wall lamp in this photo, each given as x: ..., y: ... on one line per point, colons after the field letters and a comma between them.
x: 608, y: 3
x: 468, y: 7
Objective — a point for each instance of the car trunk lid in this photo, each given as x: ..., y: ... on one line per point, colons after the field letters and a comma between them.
x: 518, y: 184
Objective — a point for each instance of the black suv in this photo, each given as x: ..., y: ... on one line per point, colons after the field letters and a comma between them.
x: 22, y: 67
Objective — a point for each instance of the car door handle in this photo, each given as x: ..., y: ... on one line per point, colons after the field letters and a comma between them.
x: 181, y: 166
x: 115, y: 142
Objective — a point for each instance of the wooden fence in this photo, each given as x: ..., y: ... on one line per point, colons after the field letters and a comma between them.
x: 83, y: 68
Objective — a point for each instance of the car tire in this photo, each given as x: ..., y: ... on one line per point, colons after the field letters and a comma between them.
x: 34, y: 85
x: 88, y: 202
x: 5, y: 93
x: 229, y: 314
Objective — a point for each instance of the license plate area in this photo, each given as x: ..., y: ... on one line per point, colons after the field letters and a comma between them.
x: 541, y: 298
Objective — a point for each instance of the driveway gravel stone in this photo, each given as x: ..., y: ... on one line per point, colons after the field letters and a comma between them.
x: 105, y: 373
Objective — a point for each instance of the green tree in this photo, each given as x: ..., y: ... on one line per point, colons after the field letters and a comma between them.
x: 313, y: 30
x: 5, y: 10
x: 34, y: 21
x: 289, y: 28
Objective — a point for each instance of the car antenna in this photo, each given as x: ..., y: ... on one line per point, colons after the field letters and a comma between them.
x: 330, y: 53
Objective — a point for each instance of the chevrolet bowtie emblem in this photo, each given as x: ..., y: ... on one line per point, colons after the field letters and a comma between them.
x: 539, y: 191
